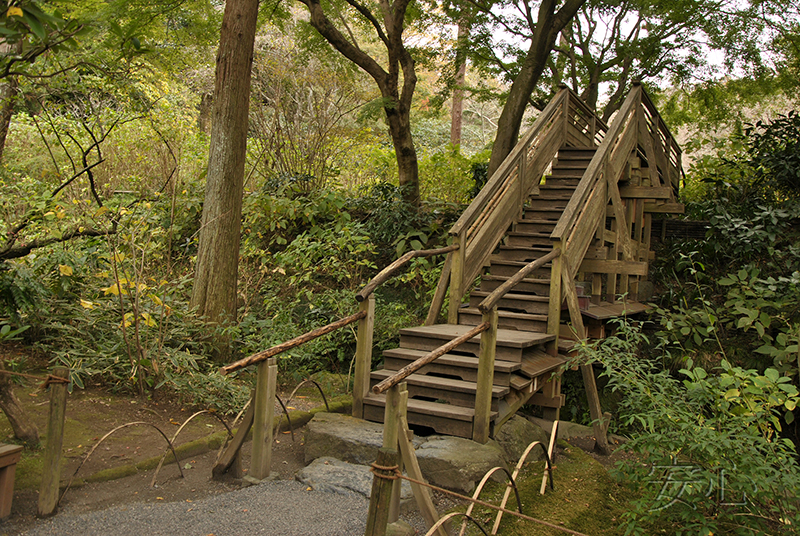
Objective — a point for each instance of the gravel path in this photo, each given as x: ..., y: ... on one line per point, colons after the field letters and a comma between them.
x: 280, y: 508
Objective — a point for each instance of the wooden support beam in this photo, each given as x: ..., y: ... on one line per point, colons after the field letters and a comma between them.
x: 381, y: 496
x: 645, y: 192
x: 441, y: 290
x: 363, y: 355
x: 614, y: 267
x: 231, y: 455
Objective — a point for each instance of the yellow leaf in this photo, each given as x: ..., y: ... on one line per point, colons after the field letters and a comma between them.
x: 86, y: 304
x: 65, y: 270
x: 100, y: 211
x: 113, y: 289
x: 148, y: 320
x: 14, y: 12
x: 60, y: 214
x: 155, y: 299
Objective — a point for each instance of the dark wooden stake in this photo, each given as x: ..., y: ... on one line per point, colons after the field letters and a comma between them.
x: 381, y: 498
x: 51, y: 469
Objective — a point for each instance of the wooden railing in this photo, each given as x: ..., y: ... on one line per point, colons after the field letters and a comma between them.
x: 565, y: 121
x: 583, y: 221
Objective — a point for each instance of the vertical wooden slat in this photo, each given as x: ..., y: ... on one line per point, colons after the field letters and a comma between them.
x: 441, y: 291
x: 481, y: 425
x: 363, y: 355
x: 263, y: 418
x: 400, y: 411
x: 554, y: 307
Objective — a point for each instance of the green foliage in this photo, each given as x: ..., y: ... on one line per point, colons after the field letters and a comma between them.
x: 710, y: 459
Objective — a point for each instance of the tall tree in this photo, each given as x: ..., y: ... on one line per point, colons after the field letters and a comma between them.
x: 216, y: 271
x: 394, y: 73
x: 517, y: 19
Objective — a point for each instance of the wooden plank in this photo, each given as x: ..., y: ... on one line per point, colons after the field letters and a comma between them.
x: 645, y: 192
x: 614, y: 267
x: 519, y: 383
x: 481, y: 427
x: 363, y: 356
x: 442, y: 384
x: 665, y: 208
x: 424, y: 407
x: 441, y: 291
x: 51, y: 466
x: 586, y: 225
x: 607, y: 310
x: 505, y: 337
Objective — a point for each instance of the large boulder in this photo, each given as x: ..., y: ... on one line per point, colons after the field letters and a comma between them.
x: 458, y: 464
x: 515, y: 436
x: 343, y: 437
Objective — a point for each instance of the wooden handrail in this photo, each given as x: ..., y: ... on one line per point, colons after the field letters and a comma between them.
x: 288, y: 345
x: 411, y: 368
x: 390, y: 270
x: 499, y: 176
x: 490, y: 302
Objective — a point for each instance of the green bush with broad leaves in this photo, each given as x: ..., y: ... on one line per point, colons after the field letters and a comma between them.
x: 710, y: 458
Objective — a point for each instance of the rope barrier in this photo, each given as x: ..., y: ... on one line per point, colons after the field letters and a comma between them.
x: 397, y: 475
x: 48, y: 380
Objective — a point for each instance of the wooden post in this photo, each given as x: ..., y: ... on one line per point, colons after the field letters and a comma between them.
x: 400, y: 404
x: 556, y: 298
x: 380, y: 502
x: 378, y: 513
x: 457, y: 277
x: 363, y: 356
x: 263, y: 418
x: 481, y: 425
x: 51, y: 469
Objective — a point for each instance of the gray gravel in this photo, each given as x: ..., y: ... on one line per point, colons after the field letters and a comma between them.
x: 280, y: 508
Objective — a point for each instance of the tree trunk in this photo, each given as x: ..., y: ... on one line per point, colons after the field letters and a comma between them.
x: 548, y: 26
x: 216, y: 271
x: 457, y: 109
x: 23, y: 427
x: 8, y: 90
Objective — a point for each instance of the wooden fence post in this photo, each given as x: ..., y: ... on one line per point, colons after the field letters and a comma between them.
x: 263, y: 418
x: 481, y: 425
x: 381, y: 497
x: 363, y: 355
x: 51, y: 470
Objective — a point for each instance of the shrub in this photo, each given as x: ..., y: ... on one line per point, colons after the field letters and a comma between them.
x: 710, y: 458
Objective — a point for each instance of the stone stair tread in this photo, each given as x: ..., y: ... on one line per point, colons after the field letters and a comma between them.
x: 538, y: 363
x: 444, y: 384
x: 456, y: 413
x: 451, y: 359
x: 505, y: 337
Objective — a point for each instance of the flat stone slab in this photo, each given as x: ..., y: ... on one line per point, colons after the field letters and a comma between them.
x: 449, y: 462
x: 335, y: 476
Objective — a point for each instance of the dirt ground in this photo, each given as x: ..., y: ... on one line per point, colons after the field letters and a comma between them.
x: 92, y: 414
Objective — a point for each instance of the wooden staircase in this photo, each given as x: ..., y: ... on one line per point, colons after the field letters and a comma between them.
x: 555, y: 200
x: 442, y: 394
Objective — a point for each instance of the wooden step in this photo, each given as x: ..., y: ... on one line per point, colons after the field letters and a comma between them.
x: 525, y: 225
x: 531, y: 240
x: 511, y: 344
x: 547, y: 203
x: 543, y: 214
x: 515, y: 301
x: 539, y: 287
x: 444, y: 418
x: 506, y: 319
x: 538, y: 363
x: 557, y: 189
x: 503, y: 268
x: 446, y: 390
x: 458, y: 366
x: 519, y: 253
